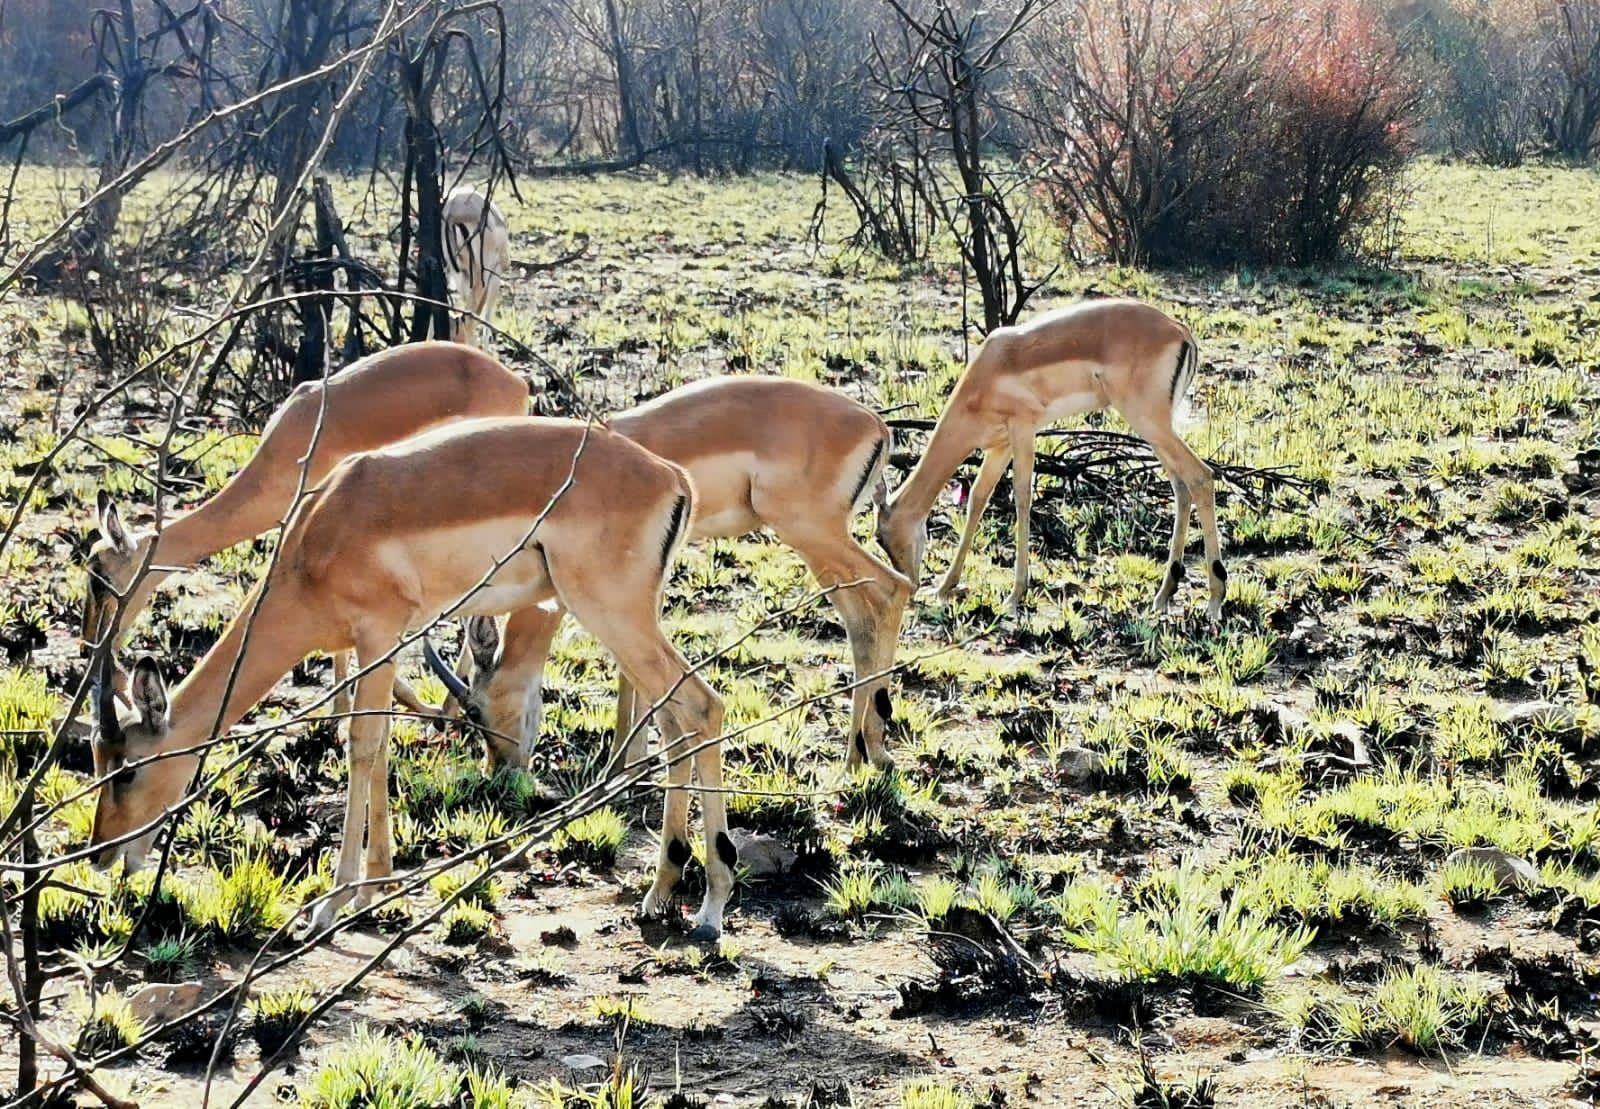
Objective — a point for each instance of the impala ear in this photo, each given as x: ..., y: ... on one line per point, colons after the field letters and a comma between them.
x: 110, y: 520
x: 483, y: 640
x: 149, y: 694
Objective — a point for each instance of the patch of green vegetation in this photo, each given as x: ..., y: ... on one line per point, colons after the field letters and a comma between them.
x: 1181, y: 933
x: 112, y: 1026
x: 592, y: 839
x: 1418, y: 1007
x: 240, y: 903
x: 466, y: 924
x: 925, y: 1093
x: 274, y: 1015
x: 376, y: 1069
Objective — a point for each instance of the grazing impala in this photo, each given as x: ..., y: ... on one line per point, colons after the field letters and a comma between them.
x: 797, y: 458
x: 379, y: 400
x: 477, y: 248
x: 386, y: 546
x: 1101, y: 354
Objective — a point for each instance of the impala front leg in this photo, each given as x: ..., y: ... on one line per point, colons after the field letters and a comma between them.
x: 1022, y: 443
x: 380, y: 831
x: 373, y: 695
x: 341, y: 678
x: 993, y: 468
x: 629, y: 742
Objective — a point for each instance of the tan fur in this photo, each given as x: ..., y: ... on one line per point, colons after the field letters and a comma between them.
x: 479, y: 256
x: 1117, y: 354
x: 786, y: 455
x: 380, y: 399
x: 391, y: 540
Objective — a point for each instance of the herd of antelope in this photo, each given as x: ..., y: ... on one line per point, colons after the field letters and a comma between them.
x: 425, y: 480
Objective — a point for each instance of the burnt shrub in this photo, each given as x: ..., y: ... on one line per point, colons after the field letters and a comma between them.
x: 1180, y: 131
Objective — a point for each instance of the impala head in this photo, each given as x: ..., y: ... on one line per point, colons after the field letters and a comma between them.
x: 903, y: 537
x: 112, y: 562
x: 502, y: 730
x: 133, y: 796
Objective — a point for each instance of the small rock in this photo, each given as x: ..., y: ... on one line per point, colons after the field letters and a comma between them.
x: 158, y: 1003
x: 1542, y: 714
x: 1079, y: 764
x: 762, y: 855
x: 582, y: 1062
x: 1309, y: 966
x: 1348, y: 745
x: 1509, y: 871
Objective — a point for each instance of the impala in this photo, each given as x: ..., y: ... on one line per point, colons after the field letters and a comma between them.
x: 1117, y: 354
x: 477, y: 248
x: 764, y: 452
x: 379, y: 400
x: 478, y: 513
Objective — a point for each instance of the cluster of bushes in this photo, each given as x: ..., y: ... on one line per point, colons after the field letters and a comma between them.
x: 1174, y: 130
x: 1160, y: 131
x: 1513, y: 78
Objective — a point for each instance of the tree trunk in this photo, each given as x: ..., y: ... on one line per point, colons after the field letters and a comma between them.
x: 432, y: 317
x: 622, y: 59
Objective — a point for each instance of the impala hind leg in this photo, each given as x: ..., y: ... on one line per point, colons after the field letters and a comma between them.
x: 490, y: 299
x: 368, y: 734
x: 995, y: 460
x: 690, y: 719
x: 1022, y: 446
x: 870, y: 598
x: 1184, y: 466
x: 1181, y: 505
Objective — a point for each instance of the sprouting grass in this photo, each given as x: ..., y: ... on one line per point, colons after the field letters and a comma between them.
x: 465, y: 924
x: 925, y: 1093
x: 1468, y: 883
x: 373, y: 1069
x: 1419, y: 1008
x: 171, y: 958
x: 850, y: 894
x: 1319, y: 893
x: 112, y: 1025
x: 276, y: 1013
x: 1184, y: 934
x: 936, y: 896
x: 593, y: 839
x: 239, y: 903
x: 483, y: 890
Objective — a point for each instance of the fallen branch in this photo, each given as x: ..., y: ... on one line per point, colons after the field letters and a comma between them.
x: 1108, y: 465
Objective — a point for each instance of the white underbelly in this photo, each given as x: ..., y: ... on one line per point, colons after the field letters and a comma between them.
x: 1070, y: 405
x: 726, y: 524
x: 448, y: 564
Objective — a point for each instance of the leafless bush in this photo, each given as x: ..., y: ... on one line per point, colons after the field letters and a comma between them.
x: 930, y: 161
x: 1569, y: 107
x: 1181, y: 130
x: 1485, y: 74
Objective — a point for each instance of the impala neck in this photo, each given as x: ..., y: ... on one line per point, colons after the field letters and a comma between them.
x: 280, y: 636
x: 235, y: 513
x: 947, y: 449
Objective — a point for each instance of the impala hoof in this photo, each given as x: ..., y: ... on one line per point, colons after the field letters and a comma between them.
x: 705, y: 933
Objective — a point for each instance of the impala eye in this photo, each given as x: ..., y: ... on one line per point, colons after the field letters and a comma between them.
x: 123, y: 778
